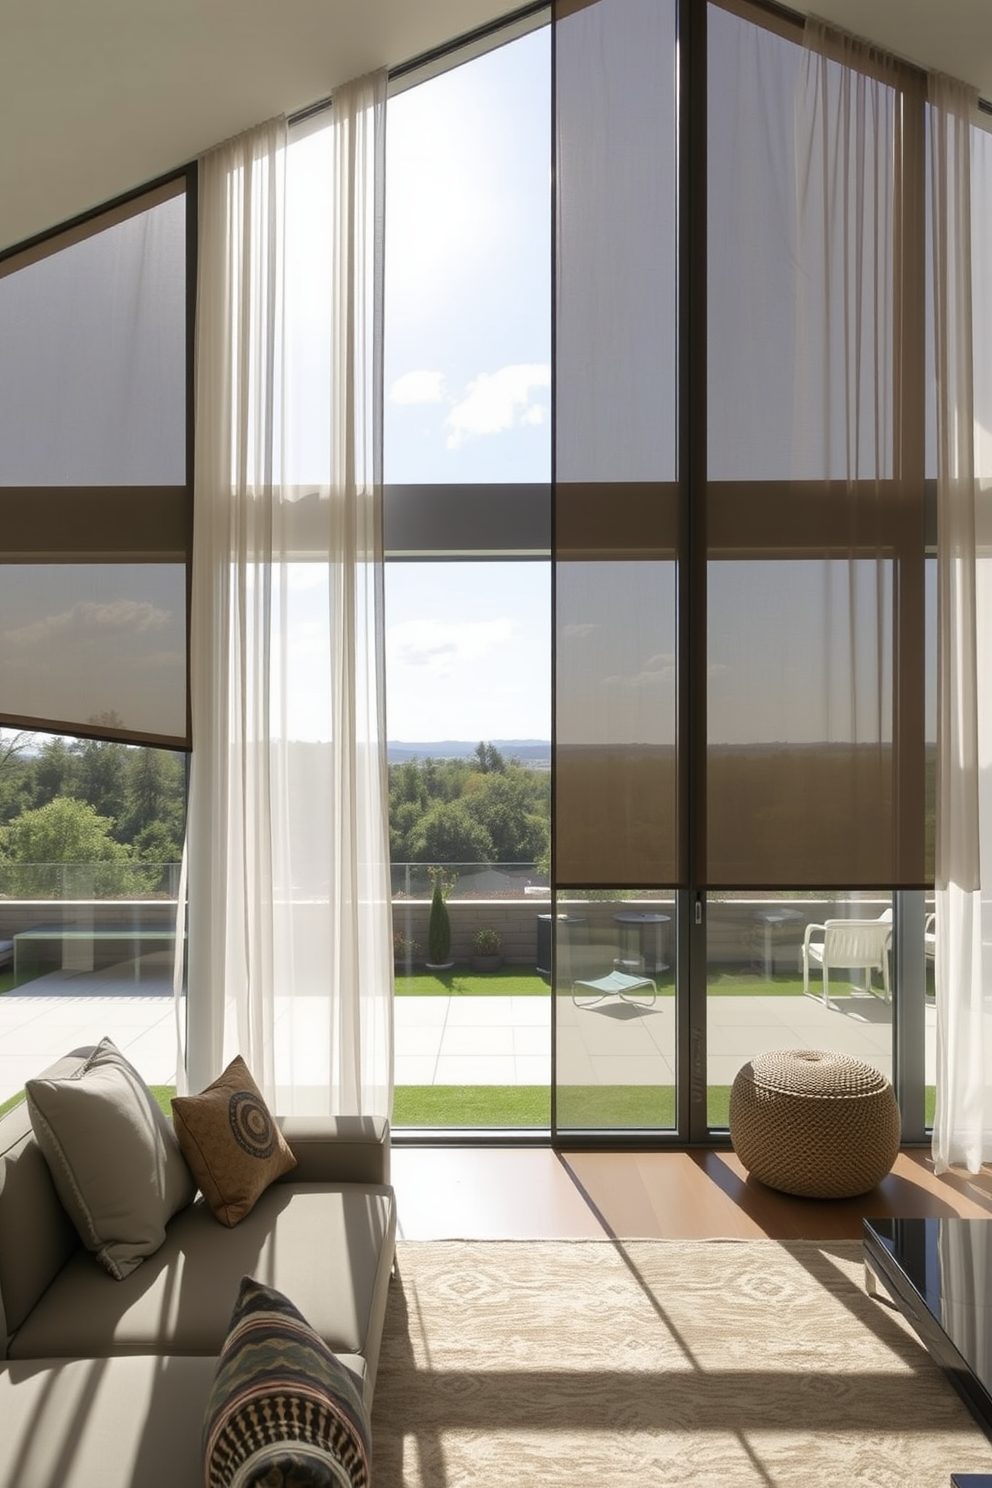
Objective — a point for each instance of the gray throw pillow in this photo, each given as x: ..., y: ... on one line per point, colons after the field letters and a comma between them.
x: 114, y: 1159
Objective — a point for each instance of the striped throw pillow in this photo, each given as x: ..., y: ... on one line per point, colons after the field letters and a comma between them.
x: 283, y: 1410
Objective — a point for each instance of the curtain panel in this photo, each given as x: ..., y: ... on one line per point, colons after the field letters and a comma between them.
x: 289, y: 920
x: 963, y: 952
x: 814, y: 469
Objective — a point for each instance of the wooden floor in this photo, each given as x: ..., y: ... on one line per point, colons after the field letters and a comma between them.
x: 536, y: 1193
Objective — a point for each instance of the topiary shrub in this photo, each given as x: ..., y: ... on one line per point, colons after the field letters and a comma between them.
x: 439, y: 924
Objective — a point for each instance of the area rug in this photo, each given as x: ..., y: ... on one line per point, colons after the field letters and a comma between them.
x: 655, y: 1362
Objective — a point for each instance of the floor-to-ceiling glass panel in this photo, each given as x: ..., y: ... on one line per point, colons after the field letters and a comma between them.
x: 616, y: 803
x: 467, y: 374
x: 95, y: 644
x: 801, y: 782
x: 615, y: 1010
x: 93, y: 357
x: 468, y: 710
x: 791, y: 970
x: 91, y: 839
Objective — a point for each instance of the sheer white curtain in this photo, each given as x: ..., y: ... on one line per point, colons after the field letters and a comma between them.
x: 289, y: 949
x: 963, y: 1120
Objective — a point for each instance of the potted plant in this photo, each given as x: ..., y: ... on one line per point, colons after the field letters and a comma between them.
x: 486, y: 946
x: 405, y: 951
x: 439, y: 926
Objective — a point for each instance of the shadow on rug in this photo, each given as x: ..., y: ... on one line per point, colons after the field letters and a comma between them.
x: 656, y: 1362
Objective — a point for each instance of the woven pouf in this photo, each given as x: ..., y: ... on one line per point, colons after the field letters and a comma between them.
x: 820, y: 1125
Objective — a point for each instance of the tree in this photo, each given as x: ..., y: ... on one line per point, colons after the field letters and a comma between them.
x: 100, y: 775
x: 154, y: 797
x: 489, y: 759
x: 15, y: 777
x: 448, y: 833
x: 54, y: 771
x: 65, y: 831
x: 505, y: 805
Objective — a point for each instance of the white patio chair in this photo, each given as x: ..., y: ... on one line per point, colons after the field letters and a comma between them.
x: 930, y: 937
x: 849, y: 945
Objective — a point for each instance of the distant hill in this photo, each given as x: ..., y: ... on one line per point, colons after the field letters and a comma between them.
x: 533, y: 752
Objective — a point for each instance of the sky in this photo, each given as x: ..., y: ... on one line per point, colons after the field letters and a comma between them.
x: 468, y: 384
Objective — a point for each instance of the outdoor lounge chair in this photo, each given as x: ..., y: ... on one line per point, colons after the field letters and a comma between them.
x: 851, y: 945
x: 615, y: 984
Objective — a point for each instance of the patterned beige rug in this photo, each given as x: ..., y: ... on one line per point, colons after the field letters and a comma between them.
x: 654, y: 1362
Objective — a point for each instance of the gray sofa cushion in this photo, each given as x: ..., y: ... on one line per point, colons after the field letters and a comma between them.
x: 328, y: 1247
x: 36, y: 1235
x: 116, y: 1423
x: 113, y: 1156
x: 131, y: 1422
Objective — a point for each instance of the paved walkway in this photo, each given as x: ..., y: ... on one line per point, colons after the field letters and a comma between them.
x: 459, y: 1040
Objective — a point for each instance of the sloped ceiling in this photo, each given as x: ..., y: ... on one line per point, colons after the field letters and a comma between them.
x: 99, y: 96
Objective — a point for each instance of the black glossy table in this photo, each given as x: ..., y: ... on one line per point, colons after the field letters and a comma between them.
x: 938, y: 1272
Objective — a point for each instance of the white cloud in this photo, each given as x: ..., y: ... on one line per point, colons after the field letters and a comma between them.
x: 578, y: 631
x: 634, y: 681
x: 89, y: 618
x: 442, y: 647
x: 417, y: 387
x: 497, y: 401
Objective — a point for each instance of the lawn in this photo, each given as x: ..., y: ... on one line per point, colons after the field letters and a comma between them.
x: 581, y: 1107
x: 610, y: 1107
x: 162, y: 1093
x: 509, y: 981
x: 517, y: 981
x: 605, y: 1107
x: 7, y: 983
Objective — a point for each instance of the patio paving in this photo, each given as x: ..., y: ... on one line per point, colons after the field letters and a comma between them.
x: 458, y: 1040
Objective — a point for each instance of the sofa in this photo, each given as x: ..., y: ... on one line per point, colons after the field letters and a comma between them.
x: 105, y: 1381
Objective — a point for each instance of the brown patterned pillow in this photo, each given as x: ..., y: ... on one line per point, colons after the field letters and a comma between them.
x: 232, y: 1145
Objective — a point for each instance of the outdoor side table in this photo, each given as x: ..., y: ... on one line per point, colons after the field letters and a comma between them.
x: 776, y: 929
x: 642, y: 939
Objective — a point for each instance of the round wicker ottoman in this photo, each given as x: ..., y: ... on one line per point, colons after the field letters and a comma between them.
x: 820, y: 1125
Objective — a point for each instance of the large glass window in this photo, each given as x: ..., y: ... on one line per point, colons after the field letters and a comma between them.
x: 95, y: 545
x: 741, y: 606
x: 91, y: 837
x: 467, y: 462
x: 95, y: 508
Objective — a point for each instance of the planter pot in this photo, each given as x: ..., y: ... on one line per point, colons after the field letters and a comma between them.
x: 487, y: 963
x: 438, y: 965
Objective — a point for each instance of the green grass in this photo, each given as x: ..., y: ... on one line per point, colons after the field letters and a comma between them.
x: 607, y: 1107
x: 509, y: 981
x: 7, y: 983
x: 8, y: 1105
x: 517, y: 981
x: 584, y: 1106
x: 162, y: 1093
x: 472, y: 1105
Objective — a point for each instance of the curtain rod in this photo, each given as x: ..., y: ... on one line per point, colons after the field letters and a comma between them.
x: 788, y: 16
x: 438, y: 53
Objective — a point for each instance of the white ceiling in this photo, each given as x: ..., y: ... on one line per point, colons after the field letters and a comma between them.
x: 99, y: 96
